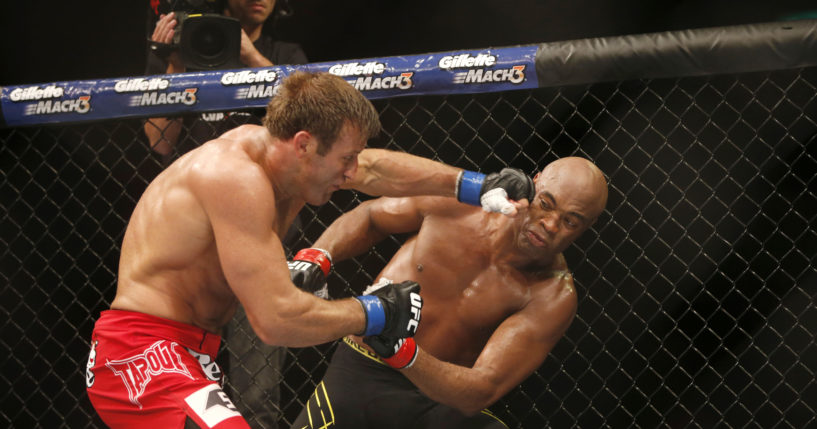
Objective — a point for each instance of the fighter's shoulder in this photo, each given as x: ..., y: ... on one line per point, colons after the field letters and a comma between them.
x: 556, y: 283
x: 242, y: 132
x: 220, y: 165
x: 553, y: 305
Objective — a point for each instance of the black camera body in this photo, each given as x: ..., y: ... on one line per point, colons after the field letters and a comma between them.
x: 196, y: 6
x: 206, y: 39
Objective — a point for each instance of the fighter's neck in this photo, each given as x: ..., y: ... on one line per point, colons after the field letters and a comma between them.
x: 283, y: 174
x: 287, y: 210
x: 276, y: 159
x: 535, y: 267
x: 505, y: 242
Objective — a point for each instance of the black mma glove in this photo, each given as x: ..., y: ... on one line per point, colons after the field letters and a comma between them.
x: 516, y: 183
x: 398, y: 353
x: 309, y: 269
x: 493, y: 191
x: 392, y: 310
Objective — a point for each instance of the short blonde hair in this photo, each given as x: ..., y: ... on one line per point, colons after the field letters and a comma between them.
x: 320, y: 103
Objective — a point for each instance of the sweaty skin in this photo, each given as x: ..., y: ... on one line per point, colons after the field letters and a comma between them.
x: 229, y: 191
x: 476, y: 285
x: 205, y: 233
x: 497, y: 292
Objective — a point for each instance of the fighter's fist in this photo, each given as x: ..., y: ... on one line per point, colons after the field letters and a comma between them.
x: 308, y: 270
x: 493, y: 191
x: 516, y: 183
x: 397, y: 353
x: 393, y: 310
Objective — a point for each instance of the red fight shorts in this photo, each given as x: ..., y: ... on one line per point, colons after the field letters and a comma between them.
x: 146, y: 371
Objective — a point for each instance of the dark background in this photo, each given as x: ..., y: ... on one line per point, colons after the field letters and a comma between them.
x: 76, y: 40
x: 697, y: 309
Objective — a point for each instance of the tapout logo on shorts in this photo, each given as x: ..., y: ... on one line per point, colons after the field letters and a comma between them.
x: 137, y: 371
x: 480, y: 69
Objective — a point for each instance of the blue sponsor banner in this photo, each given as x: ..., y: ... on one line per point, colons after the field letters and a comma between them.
x: 143, y: 96
x: 485, y: 70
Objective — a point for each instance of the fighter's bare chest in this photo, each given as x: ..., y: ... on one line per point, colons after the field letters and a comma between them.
x: 476, y: 293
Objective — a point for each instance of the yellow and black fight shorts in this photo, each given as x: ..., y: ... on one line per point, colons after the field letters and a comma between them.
x: 359, y: 391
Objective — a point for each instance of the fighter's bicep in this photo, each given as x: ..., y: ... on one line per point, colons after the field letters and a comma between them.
x: 396, y: 215
x: 547, y: 317
x: 522, y: 341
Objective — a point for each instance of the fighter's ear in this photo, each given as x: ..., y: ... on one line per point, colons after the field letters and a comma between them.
x: 305, y: 143
x: 535, y: 181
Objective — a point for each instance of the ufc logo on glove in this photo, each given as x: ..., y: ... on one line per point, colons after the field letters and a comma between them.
x: 416, y: 306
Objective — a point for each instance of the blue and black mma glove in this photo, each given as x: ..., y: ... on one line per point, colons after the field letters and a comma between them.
x: 392, y: 309
x: 392, y: 315
x: 493, y: 191
x: 308, y: 271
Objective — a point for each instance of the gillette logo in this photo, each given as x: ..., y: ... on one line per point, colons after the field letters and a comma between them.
x: 141, y: 84
x: 357, y: 69
x: 466, y: 61
x: 36, y: 93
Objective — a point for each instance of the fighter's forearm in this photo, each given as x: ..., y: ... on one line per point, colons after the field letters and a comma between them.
x: 397, y: 174
x: 350, y: 235
x: 466, y: 389
x: 306, y: 321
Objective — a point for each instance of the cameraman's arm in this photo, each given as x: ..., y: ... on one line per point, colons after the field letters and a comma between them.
x: 163, y: 133
x: 249, y: 55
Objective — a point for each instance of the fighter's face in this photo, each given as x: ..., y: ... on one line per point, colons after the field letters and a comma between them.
x: 561, y: 211
x: 551, y: 225
x: 251, y: 11
x: 339, y: 164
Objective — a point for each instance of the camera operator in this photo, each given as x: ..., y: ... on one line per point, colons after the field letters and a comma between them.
x: 253, y: 368
x: 257, y: 50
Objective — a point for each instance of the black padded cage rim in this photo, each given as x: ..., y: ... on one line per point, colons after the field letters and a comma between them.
x: 696, y: 52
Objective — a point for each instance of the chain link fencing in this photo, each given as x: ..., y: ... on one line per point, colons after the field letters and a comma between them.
x: 697, y: 286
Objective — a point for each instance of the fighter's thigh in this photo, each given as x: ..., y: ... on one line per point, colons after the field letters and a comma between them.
x: 333, y: 405
x: 159, y: 384
x: 209, y: 407
x: 202, y: 397
x: 444, y: 417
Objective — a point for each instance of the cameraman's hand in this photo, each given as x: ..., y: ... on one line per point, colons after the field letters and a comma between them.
x: 163, y: 33
x: 250, y: 56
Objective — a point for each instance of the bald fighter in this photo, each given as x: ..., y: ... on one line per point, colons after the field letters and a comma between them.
x: 204, y: 237
x: 497, y: 296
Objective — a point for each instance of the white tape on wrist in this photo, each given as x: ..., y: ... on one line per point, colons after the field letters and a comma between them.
x: 496, y: 201
x: 383, y: 282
